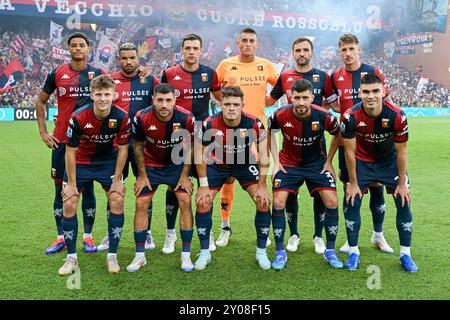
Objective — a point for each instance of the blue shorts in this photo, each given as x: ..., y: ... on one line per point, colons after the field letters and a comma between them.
x: 102, y: 172
x: 58, y: 163
x: 162, y: 175
x: 343, y: 174
x: 310, y: 174
x: 385, y: 172
x: 245, y: 174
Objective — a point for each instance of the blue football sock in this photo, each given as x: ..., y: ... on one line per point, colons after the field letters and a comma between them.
x: 262, y: 225
x: 352, y: 216
x: 115, y: 228
x: 404, y: 223
x: 88, y: 205
x: 58, y: 208
x: 150, y: 215
x: 279, y: 227
x: 377, y: 207
x: 186, y: 239
x: 292, y: 213
x: 203, y: 222
x: 331, y: 226
x: 319, y: 215
x: 171, y: 209
x: 70, y: 228
x: 139, y: 239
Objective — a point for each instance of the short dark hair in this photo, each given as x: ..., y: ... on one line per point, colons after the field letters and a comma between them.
x: 370, y: 78
x: 78, y: 35
x: 102, y: 82
x: 232, y: 91
x: 128, y: 46
x: 248, y: 30
x: 348, y: 38
x: 301, y: 85
x: 191, y: 37
x: 164, y: 88
x: 302, y: 39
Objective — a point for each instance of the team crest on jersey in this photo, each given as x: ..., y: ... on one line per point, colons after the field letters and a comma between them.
x: 204, y: 77
x: 91, y: 75
x: 363, y: 74
x: 260, y: 67
x: 385, y: 123
x: 53, y: 173
x: 176, y: 127
x: 315, y: 126
x: 143, y: 80
x: 276, y: 183
x: 242, y: 133
x: 316, y: 78
x: 112, y: 123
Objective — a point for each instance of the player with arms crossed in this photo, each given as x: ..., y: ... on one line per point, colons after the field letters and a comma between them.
x: 303, y: 159
x: 96, y: 150
x: 228, y: 138
x: 376, y: 152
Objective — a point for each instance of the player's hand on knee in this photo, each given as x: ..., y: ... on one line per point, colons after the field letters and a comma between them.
x: 68, y: 192
x: 141, y: 183
x: 352, y: 192
x: 118, y: 187
x: 203, y: 197
x: 404, y: 193
x: 261, y: 197
x: 186, y: 183
x: 50, y: 140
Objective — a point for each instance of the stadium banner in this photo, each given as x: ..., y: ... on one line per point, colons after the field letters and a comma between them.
x: 405, y: 50
x: 60, y: 54
x: 409, y: 111
x: 116, y: 10
x: 414, y: 38
x: 6, y: 114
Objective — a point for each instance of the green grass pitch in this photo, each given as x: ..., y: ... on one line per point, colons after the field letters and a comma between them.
x: 27, y: 227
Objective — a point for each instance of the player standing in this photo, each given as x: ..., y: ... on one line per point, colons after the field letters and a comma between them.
x: 375, y: 139
x: 97, y: 150
x: 134, y: 92
x: 252, y: 74
x: 193, y: 83
x: 71, y: 83
x: 346, y: 81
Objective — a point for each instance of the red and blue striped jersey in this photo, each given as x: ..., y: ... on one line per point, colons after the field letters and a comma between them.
x: 95, y: 139
x: 320, y: 80
x: 192, y: 89
x: 72, y: 91
x: 302, y: 139
x: 162, y: 137
x: 228, y: 146
x: 375, y: 137
x: 347, y: 84
x: 134, y: 93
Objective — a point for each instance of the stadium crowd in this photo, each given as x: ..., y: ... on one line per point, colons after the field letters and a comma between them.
x: 401, y: 82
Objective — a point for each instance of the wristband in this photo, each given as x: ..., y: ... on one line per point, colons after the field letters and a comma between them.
x: 203, y: 182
